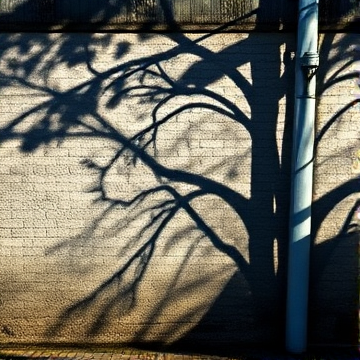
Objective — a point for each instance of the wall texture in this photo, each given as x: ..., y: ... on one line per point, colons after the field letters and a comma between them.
x: 145, y: 186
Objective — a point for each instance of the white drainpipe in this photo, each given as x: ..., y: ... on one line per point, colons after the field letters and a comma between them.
x: 307, y: 60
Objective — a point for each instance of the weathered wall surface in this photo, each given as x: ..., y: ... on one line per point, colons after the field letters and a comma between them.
x: 145, y: 185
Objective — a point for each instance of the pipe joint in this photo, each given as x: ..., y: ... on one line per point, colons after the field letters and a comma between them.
x: 309, y: 63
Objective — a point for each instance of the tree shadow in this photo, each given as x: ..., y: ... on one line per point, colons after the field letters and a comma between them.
x: 335, y: 254
x: 250, y: 306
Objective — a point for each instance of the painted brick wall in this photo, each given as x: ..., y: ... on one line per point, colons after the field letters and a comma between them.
x: 145, y: 185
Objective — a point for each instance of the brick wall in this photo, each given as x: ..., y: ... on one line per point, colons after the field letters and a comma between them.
x: 145, y: 185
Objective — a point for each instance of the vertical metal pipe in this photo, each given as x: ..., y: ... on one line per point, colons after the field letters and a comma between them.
x: 302, y: 178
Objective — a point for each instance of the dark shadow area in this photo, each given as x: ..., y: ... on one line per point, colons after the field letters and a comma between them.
x: 334, y: 301
x: 250, y: 308
x: 128, y: 14
x: 120, y: 15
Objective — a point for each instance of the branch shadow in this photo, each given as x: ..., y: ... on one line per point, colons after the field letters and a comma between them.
x: 250, y: 306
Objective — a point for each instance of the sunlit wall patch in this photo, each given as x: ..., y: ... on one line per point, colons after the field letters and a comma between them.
x: 357, y: 69
x: 356, y: 157
x: 357, y: 214
x: 356, y: 163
